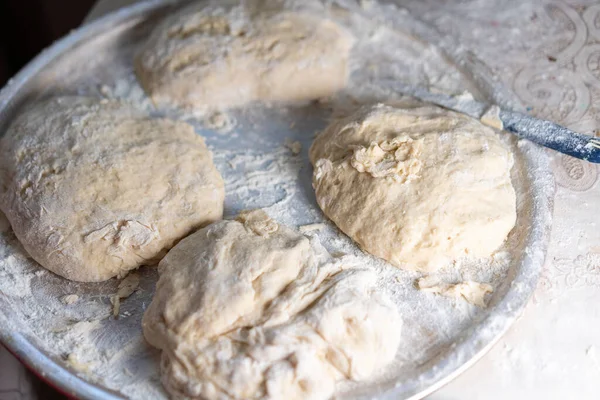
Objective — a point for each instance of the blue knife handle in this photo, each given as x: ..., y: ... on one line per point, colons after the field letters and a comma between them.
x: 552, y: 135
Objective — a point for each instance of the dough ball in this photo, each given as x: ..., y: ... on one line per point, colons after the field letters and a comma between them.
x: 250, y: 309
x: 417, y: 187
x: 231, y: 54
x: 94, y: 188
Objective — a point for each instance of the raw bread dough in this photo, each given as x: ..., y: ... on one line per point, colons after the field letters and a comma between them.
x: 229, y: 54
x: 250, y: 309
x: 491, y: 118
x: 125, y: 289
x: 418, y: 187
x: 70, y: 299
x: 472, y: 292
x: 94, y: 188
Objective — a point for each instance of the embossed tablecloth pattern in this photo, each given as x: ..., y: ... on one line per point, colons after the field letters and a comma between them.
x: 548, y: 54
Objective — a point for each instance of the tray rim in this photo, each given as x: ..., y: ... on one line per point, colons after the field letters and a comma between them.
x: 450, y: 366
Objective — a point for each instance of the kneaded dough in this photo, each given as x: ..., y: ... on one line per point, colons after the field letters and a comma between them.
x: 229, y: 54
x: 418, y: 187
x: 94, y: 188
x: 250, y: 309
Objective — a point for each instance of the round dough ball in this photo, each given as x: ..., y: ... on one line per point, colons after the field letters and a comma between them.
x: 231, y: 54
x: 250, y: 309
x: 93, y: 188
x: 417, y: 187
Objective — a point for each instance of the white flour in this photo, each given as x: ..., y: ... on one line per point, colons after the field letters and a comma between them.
x: 259, y: 172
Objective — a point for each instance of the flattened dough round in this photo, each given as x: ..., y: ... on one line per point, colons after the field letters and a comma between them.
x: 93, y: 188
x: 250, y: 309
x: 230, y: 54
x: 417, y: 187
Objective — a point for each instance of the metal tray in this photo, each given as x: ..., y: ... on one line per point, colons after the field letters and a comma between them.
x: 54, y: 339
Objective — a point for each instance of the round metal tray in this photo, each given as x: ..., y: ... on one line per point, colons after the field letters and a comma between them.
x: 96, y: 59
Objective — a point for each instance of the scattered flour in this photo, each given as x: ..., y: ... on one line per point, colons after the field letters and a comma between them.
x: 15, y: 282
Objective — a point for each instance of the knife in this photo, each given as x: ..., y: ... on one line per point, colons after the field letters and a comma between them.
x: 542, y: 132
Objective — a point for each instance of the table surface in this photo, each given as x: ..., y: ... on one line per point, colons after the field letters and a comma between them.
x: 548, y: 54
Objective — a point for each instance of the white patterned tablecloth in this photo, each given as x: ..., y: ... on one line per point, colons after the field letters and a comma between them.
x: 548, y: 54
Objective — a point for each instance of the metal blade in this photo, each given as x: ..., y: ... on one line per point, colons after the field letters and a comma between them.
x: 462, y: 103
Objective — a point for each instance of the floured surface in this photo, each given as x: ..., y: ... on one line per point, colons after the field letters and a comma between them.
x: 260, y: 171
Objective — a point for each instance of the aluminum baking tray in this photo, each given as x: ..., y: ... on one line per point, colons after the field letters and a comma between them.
x: 85, y: 352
